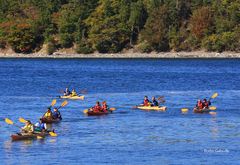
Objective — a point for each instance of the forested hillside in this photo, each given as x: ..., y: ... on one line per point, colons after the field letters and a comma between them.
x: 109, y: 26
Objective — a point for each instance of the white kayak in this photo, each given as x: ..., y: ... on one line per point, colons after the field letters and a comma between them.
x: 155, y: 108
x: 72, y: 97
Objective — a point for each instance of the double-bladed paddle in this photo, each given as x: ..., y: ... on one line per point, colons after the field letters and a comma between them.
x: 10, y: 122
x: 64, y: 103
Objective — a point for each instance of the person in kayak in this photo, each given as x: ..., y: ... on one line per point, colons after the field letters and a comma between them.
x: 104, y: 106
x: 67, y: 92
x: 56, y: 114
x: 199, y: 104
x: 73, y: 93
x: 154, y: 102
x: 146, y: 102
x: 206, y: 103
x: 40, y: 126
x: 48, y: 114
x: 28, y: 128
x: 97, y: 108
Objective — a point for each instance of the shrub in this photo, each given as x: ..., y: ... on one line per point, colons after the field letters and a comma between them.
x: 84, y: 48
x: 51, y: 46
x: 66, y: 40
x: 144, y: 47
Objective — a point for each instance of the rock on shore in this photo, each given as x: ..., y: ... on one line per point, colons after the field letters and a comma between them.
x: 195, y: 54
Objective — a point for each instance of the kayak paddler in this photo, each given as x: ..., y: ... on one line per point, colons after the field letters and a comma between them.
x: 146, y: 102
x: 40, y: 126
x: 199, y: 104
x: 73, y: 93
x: 97, y: 107
x: 67, y: 92
x: 28, y: 128
x: 206, y: 103
x: 154, y: 101
x: 56, y: 114
x: 104, y: 106
x: 48, y: 114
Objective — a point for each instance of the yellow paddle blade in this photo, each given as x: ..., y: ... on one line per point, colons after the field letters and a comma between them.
x: 184, y: 110
x: 8, y: 121
x: 64, y: 103
x: 112, y: 109
x: 85, y: 111
x: 53, y: 102
x: 212, y: 108
x: 52, y: 134
x: 214, y: 95
x: 22, y: 120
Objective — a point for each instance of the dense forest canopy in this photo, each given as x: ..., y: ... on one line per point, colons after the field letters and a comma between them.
x: 109, y: 26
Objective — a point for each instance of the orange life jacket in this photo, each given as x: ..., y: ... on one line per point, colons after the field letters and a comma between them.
x: 200, y: 105
x: 97, y: 108
x: 104, y: 107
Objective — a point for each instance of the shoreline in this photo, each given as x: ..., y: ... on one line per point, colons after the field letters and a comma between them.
x: 128, y: 55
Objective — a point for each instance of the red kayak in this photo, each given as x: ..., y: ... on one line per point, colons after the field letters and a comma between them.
x: 91, y: 113
x: 16, y: 137
x: 50, y: 121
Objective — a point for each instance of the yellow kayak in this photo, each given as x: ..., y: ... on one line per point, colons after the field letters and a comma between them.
x: 155, y: 108
x: 72, y: 97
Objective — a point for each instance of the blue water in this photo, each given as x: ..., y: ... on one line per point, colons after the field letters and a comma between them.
x: 128, y: 136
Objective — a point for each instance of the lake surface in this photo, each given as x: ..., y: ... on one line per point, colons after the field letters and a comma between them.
x: 128, y: 136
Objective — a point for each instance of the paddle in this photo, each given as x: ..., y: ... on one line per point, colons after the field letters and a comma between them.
x: 85, y: 111
x: 214, y: 95
x: 10, y: 122
x: 212, y: 108
x: 63, y: 104
x: 184, y: 110
x: 22, y: 120
x: 83, y: 91
x: 53, y: 103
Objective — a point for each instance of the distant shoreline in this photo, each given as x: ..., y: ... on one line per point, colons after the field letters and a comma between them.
x: 129, y: 55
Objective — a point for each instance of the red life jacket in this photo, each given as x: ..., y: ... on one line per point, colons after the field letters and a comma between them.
x: 200, y: 105
x: 96, y: 108
x: 146, y: 102
x: 104, y: 107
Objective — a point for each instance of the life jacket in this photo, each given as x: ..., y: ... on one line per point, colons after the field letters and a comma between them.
x: 40, y: 126
x: 200, y: 105
x: 28, y: 128
x: 97, y: 108
x: 74, y: 93
x: 56, y: 115
x: 146, y: 102
x: 155, y: 103
x: 48, y: 114
x: 104, y: 108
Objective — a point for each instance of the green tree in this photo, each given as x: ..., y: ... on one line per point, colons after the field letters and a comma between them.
x: 108, y: 31
x: 156, y: 29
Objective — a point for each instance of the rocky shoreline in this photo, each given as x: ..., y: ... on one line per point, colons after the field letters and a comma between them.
x: 195, y: 54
